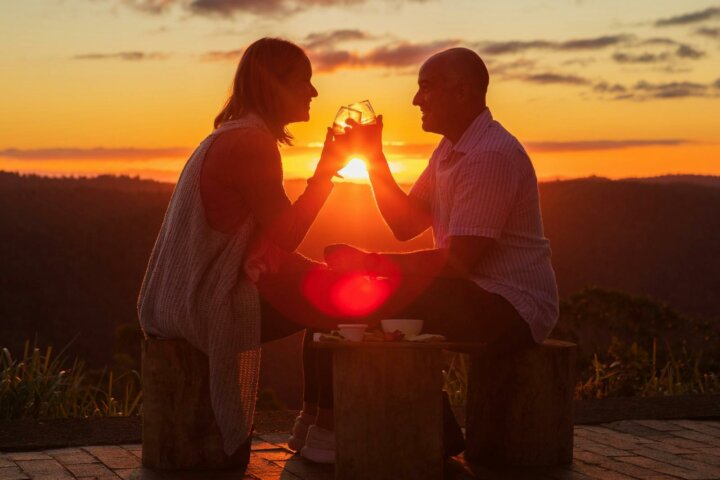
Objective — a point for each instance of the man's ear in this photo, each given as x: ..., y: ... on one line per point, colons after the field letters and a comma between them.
x: 462, y: 92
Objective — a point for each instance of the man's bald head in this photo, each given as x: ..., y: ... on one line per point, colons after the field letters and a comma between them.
x: 461, y: 65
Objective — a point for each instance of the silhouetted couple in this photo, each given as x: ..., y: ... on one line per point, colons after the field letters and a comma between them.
x: 224, y: 274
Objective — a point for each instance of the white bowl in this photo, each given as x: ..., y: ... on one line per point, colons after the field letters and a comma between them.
x: 409, y: 326
x: 352, y: 331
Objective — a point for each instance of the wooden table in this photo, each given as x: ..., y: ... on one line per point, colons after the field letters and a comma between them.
x: 388, y: 409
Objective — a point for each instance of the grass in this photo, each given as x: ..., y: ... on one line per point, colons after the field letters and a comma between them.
x: 622, y: 371
x: 43, y: 384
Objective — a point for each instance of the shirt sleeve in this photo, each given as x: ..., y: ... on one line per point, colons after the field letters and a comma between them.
x: 484, y: 195
x: 423, y: 188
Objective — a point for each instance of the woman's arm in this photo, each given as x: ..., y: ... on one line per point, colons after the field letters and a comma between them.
x: 250, y: 165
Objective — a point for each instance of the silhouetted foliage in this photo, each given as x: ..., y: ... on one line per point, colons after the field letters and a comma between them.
x: 73, y: 251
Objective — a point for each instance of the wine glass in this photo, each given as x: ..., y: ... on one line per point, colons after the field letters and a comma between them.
x: 342, y: 117
x: 360, y: 112
x: 367, y: 113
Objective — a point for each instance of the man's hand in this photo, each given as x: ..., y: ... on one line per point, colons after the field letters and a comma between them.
x: 345, y: 258
x: 366, y: 139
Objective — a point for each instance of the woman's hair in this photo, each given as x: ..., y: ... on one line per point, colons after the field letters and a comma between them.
x: 258, y: 83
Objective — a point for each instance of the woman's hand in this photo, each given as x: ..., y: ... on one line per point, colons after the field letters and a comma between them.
x: 335, y: 155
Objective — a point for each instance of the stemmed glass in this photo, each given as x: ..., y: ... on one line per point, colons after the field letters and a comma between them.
x: 360, y: 112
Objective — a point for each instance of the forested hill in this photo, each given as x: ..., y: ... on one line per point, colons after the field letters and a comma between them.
x: 73, y: 251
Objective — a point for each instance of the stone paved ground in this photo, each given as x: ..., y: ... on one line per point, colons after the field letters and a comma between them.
x: 639, y: 449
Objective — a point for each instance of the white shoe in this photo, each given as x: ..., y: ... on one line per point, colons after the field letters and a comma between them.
x: 319, y: 445
x: 299, y: 431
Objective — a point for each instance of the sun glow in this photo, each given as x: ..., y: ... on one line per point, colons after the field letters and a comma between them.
x: 355, y: 170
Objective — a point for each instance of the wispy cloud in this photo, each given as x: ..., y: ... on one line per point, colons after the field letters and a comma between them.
x: 328, y: 40
x: 683, y: 51
x: 585, y: 145
x: 221, y: 56
x: 154, y: 7
x: 708, y: 32
x: 517, y: 46
x: 688, y: 18
x: 394, y: 55
x: 612, y: 88
x: 126, y: 56
x: 644, y: 90
x: 98, y: 153
x: 549, y: 78
x: 230, y: 8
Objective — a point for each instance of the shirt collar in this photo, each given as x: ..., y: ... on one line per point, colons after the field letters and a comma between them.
x: 473, y: 133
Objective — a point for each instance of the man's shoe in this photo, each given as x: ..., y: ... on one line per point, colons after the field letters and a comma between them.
x: 299, y: 431
x: 319, y: 445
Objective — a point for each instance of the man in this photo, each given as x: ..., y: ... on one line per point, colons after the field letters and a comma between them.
x: 489, y: 279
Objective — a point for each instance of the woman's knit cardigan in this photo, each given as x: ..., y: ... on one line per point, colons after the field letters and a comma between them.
x: 199, y: 286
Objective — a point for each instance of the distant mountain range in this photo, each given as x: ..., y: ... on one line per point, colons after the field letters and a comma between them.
x: 73, y: 251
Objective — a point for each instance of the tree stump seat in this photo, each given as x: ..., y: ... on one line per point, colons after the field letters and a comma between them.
x: 179, y: 431
x: 388, y: 407
x: 520, y: 405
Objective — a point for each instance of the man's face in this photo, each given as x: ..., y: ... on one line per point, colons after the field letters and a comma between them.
x: 435, y: 98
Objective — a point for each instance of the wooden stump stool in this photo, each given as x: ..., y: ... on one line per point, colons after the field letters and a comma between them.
x: 520, y: 406
x: 388, y: 411
x: 179, y: 428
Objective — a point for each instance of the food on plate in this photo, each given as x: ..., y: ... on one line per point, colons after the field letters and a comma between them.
x: 427, y: 338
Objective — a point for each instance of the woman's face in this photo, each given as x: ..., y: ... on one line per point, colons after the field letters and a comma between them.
x: 297, y: 93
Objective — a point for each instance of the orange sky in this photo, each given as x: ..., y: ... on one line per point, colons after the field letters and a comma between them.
x: 610, y: 88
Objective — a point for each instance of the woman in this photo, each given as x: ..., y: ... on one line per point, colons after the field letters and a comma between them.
x: 222, y: 274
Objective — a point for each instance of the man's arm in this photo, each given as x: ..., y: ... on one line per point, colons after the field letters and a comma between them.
x: 406, y: 216
x: 458, y: 260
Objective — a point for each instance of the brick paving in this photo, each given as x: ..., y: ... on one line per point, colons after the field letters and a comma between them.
x: 630, y: 449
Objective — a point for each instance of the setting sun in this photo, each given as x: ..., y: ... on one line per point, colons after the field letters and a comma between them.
x: 355, y: 170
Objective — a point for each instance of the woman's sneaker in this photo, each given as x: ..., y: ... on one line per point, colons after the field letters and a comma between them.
x: 319, y: 445
x: 299, y: 431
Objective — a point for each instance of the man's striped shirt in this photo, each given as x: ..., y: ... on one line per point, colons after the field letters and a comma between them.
x: 485, y: 185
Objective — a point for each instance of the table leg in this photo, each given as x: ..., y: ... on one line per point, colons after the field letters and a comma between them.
x: 388, y: 413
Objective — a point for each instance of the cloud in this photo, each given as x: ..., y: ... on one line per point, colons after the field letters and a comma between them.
x: 515, y: 46
x: 222, y: 56
x: 395, y: 55
x: 687, y: 18
x: 686, y: 51
x: 586, y: 145
x: 644, y: 90
x: 329, y: 39
x: 682, y: 52
x: 708, y: 32
x: 128, y: 56
x: 554, y: 78
x: 657, y: 41
x: 500, y: 48
x: 154, y: 7
x: 604, y: 87
x: 671, y: 89
x: 229, y: 8
x: 640, y: 58
x: 99, y: 153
